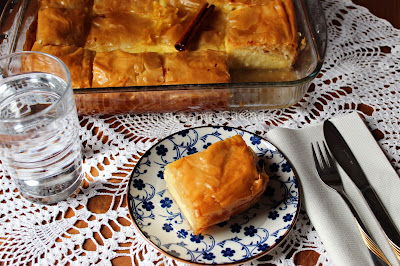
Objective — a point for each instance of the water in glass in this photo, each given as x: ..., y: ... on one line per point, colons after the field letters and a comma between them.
x: 43, y: 154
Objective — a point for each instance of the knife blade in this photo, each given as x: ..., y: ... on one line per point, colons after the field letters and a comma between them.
x: 346, y: 159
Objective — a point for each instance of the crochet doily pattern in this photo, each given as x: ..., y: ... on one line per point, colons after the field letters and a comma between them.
x: 361, y: 72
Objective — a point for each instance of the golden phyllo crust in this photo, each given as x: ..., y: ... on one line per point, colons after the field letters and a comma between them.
x: 77, y: 59
x: 144, y: 7
x: 129, y: 32
x: 196, y: 67
x: 214, y: 185
x: 61, y: 26
x: 69, y: 4
x: 262, y: 36
x: 120, y: 69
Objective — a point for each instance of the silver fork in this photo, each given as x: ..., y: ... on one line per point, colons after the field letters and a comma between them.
x: 329, y: 174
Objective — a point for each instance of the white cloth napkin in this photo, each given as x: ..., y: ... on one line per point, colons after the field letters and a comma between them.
x: 327, y: 211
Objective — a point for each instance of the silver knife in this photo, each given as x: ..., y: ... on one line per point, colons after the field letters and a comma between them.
x: 344, y: 156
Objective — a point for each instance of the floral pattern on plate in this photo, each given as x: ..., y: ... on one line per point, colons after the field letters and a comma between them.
x: 244, y: 237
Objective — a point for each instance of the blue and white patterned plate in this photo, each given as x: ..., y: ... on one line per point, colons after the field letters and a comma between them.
x: 247, y: 236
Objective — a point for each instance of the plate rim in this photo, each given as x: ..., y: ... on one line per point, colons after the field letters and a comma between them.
x: 261, y: 254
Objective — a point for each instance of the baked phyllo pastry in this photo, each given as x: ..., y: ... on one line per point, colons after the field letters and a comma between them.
x: 145, y: 7
x: 262, y: 36
x: 210, y: 35
x: 129, y: 32
x: 60, y: 26
x: 171, y: 25
x: 191, y: 5
x: 185, y: 5
x: 136, y: 32
x: 193, y: 67
x: 119, y: 69
x: 214, y: 185
x: 77, y: 59
x: 72, y: 4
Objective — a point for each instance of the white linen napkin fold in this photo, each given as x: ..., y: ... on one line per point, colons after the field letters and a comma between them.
x: 327, y: 211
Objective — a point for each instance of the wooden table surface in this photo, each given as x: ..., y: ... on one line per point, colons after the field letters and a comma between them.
x: 387, y: 9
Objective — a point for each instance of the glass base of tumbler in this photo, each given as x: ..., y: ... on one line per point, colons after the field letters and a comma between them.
x: 50, y: 199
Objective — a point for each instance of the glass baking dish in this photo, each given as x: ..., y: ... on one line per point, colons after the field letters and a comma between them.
x: 18, y: 15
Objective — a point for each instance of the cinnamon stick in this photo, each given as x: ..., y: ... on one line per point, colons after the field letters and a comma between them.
x: 190, y: 31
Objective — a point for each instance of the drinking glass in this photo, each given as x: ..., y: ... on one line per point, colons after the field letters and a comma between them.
x: 40, y: 146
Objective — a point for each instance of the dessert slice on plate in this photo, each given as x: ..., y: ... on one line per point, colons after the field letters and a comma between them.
x: 214, y: 185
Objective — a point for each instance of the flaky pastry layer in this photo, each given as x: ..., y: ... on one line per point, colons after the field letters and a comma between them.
x: 77, y: 59
x: 120, y: 69
x: 262, y: 36
x: 196, y: 67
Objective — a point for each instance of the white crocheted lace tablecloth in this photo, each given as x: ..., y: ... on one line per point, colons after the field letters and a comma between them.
x: 361, y: 72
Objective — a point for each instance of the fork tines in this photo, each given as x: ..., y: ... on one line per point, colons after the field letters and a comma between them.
x: 326, y: 164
